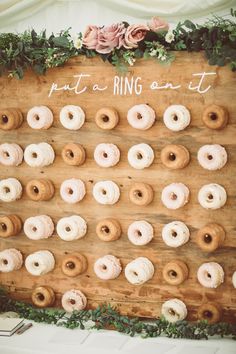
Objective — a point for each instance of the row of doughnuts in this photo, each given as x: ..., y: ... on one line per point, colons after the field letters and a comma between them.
x: 140, y: 156
x: 142, y: 116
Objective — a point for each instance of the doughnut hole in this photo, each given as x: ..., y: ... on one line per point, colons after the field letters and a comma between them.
x: 139, y: 116
x: 210, y: 197
x: 36, y: 117
x: 69, y: 154
x: 70, y: 115
x: 40, y: 297
x: 139, y: 156
x: 68, y: 229
x: 171, y: 312
x: 72, y: 301
x: 7, y: 190
x: 173, y: 196
x: 70, y: 265
x: 104, y: 192
x: 105, y: 118
x: 36, y: 264
x: 34, y: 155
x: 6, y: 154
x: 70, y: 191
x: 4, y: 119
x: 3, y: 227
x: 213, y: 115
x: 5, y: 261
x: 175, y: 118
x: 172, y: 156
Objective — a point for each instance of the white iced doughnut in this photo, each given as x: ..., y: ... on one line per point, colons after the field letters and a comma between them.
x: 11, y: 154
x: 174, y: 310
x: 10, y: 259
x: 71, y: 228
x: 234, y: 279
x: 140, y: 156
x: 212, y: 196
x: 176, y: 117
x: 107, y: 267
x: 40, y: 117
x: 40, y: 262
x: 175, y: 195
x: 212, y: 157
x: 73, y: 300
x: 38, y: 227
x: 106, y: 192
x: 175, y: 234
x: 72, y: 190
x: 139, y: 271
x: 140, y: 233
x: 210, y: 275
x: 72, y: 117
x: 10, y: 190
x: 39, y: 155
x: 106, y: 155
x: 141, y: 116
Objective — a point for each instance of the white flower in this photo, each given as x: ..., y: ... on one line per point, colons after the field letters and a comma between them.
x: 78, y: 42
x: 169, y: 37
x: 131, y: 61
x: 153, y: 52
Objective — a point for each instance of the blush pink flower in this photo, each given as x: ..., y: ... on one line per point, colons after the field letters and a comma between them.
x: 157, y: 24
x: 110, y: 37
x: 90, y: 37
x: 134, y: 34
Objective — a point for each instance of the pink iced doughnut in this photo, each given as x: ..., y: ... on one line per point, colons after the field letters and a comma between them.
x: 107, y: 267
x: 141, y: 116
x: 10, y: 259
x: 140, y: 233
x: 40, y: 117
x: 106, y: 155
x: 210, y: 275
x: 72, y: 190
x: 38, y: 227
x: 175, y: 195
x: 212, y: 157
x: 11, y: 154
x: 73, y: 300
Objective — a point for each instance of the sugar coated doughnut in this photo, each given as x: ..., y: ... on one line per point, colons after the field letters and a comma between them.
x: 210, y: 275
x: 141, y: 116
x: 140, y: 156
x: 71, y: 228
x: 175, y: 234
x: 140, y: 232
x: 174, y: 310
x: 210, y: 312
x: 10, y: 225
x: 10, y: 259
x: 40, y: 262
x: 141, y: 194
x: 234, y: 279
x: 106, y: 192
x: 176, y: 117
x: 10, y: 118
x: 106, y: 155
x: 39, y: 155
x: 210, y: 237
x: 40, y: 117
x: 72, y: 117
x: 215, y: 117
x: 108, y: 229
x: 10, y: 190
x: 139, y: 271
x: 212, y: 196
x: 212, y: 157
x: 74, y: 264
x: 73, y: 300
x: 107, y: 118
x: 38, y: 227
x: 175, y: 272
x: 40, y: 189
x: 43, y: 296
x: 107, y: 267
x: 72, y: 190
x: 73, y: 154
x: 175, y: 156
x: 175, y: 195
x: 11, y: 154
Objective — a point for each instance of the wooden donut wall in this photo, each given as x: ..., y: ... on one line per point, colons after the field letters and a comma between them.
x: 144, y: 300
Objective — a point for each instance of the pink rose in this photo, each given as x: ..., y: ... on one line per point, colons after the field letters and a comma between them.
x: 90, y: 37
x: 110, y: 37
x: 135, y: 34
x: 157, y: 24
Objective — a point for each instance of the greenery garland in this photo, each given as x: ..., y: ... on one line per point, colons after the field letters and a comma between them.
x: 217, y: 38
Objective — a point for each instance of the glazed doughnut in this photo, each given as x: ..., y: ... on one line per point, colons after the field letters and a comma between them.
x: 10, y: 118
x: 11, y: 154
x: 139, y: 271
x: 210, y: 237
x: 212, y: 157
x: 73, y: 300
x: 215, y: 117
x: 71, y: 228
x: 140, y: 156
x: 140, y: 233
x: 176, y: 117
x: 40, y: 117
x: 72, y: 117
x: 73, y: 154
x: 210, y: 275
x: 175, y: 272
x: 234, y: 279
x: 40, y: 189
x: 141, y: 194
x: 10, y: 190
x: 106, y: 192
x: 74, y: 264
x: 107, y: 267
x: 107, y: 118
x: 108, y: 230
x: 106, y: 155
x: 10, y: 259
x: 175, y: 156
x: 210, y: 312
x: 39, y: 155
x: 141, y: 116
x: 40, y: 262
x: 174, y: 310
x: 38, y: 227
x: 72, y: 190
x: 10, y: 225
x: 175, y: 234
x: 212, y: 196
x: 43, y: 296
x: 175, y: 195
